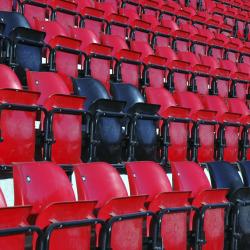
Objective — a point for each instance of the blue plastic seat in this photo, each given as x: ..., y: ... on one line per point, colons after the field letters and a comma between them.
x: 225, y: 175
x: 143, y: 122
x: 106, y: 133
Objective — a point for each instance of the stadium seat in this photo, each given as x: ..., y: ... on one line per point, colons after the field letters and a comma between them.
x: 189, y: 176
x: 124, y: 215
x: 150, y: 178
x: 225, y: 175
x: 46, y: 187
x: 65, y: 12
x: 175, y: 145
x: 228, y: 131
x: 106, y: 133
x: 64, y: 55
x: 26, y: 49
x: 63, y: 125
x: 51, y: 28
x: 18, y: 133
x: 143, y: 118
x: 154, y: 70
x: 36, y: 10
x: 202, y: 142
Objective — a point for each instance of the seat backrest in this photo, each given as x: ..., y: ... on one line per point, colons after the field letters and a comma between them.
x: 114, y: 41
x: 13, y: 20
x: 93, y: 178
x: 66, y: 19
x: 34, y: 12
x: 8, y: 78
x: 188, y: 100
x: 146, y: 147
x: 40, y: 184
x: 189, y: 176
x: 165, y: 52
x: 160, y: 96
x: 41, y: 82
x: 127, y: 93
x: 86, y: 36
x: 147, y: 178
x: 237, y: 105
x: 52, y: 29
x: 224, y: 175
x: 90, y: 88
x: 215, y: 103
x: 245, y: 170
x: 142, y: 47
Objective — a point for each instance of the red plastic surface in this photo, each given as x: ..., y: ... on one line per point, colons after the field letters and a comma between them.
x: 17, y: 127
x: 40, y: 184
x: 86, y: 36
x: 214, y: 218
x: 52, y: 29
x: 93, y: 178
x: 161, y: 196
x: 32, y: 12
x: 70, y: 238
x: 125, y: 234
x: 8, y: 78
x: 42, y: 82
x: 6, y: 5
x: 189, y: 176
x: 67, y: 129
x: 13, y: 217
x: 114, y: 41
x: 142, y: 47
x: 140, y: 173
x: 161, y: 97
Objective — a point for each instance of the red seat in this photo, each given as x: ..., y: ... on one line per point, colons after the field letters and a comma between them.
x: 228, y: 132
x: 33, y: 10
x: 65, y: 13
x: 18, y: 132
x: 8, y: 78
x: 178, y: 120
x: 65, y: 54
x: 46, y: 187
x: 14, y: 219
x: 65, y: 129
x: 52, y: 29
x: 92, y: 179
x: 154, y: 73
x: 202, y: 144
x: 161, y: 197
x: 189, y: 176
x: 233, y: 48
x: 6, y: 5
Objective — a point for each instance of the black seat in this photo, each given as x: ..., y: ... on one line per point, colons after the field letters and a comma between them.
x: 225, y: 175
x: 106, y: 131
x: 143, y: 138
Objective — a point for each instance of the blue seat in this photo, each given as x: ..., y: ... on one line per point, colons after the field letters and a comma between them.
x: 140, y: 147
x: 12, y: 20
x: 225, y: 175
x: 27, y: 48
x: 106, y: 137
x: 245, y: 170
